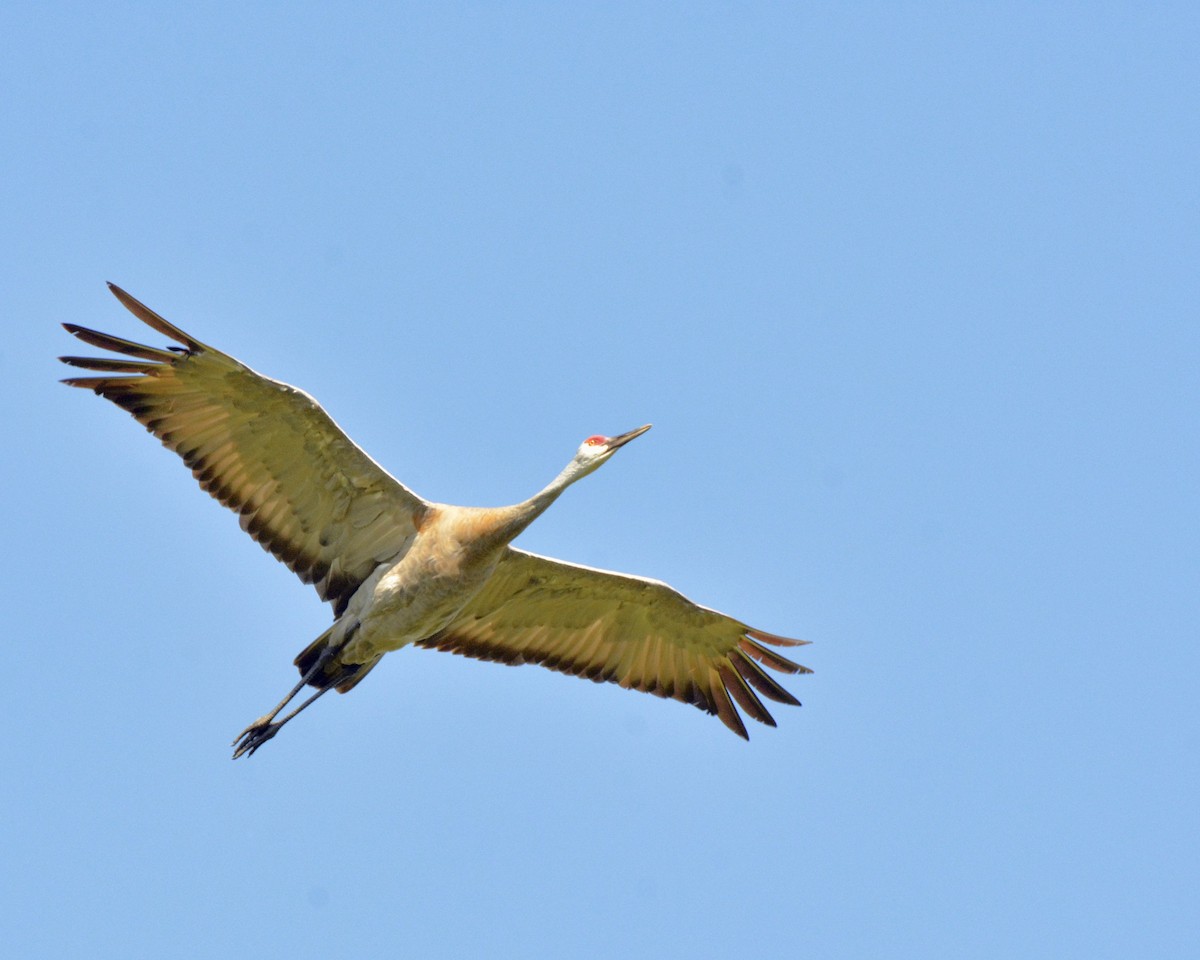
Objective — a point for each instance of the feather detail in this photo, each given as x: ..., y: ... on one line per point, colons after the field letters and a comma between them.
x: 610, y: 627
x: 262, y: 448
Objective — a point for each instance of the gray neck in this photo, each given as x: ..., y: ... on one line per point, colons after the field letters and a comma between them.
x: 519, y: 516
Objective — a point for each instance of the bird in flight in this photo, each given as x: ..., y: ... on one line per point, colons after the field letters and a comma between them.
x: 399, y: 569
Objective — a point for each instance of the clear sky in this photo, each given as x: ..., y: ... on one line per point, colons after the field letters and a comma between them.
x: 910, y: 294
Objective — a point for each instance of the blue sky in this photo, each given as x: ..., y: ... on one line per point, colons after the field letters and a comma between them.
x: 909, y: 293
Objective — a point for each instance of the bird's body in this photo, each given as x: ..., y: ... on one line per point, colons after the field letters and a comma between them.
x: 401, y: 570
x: 424, y: 590
x: 453, y: 554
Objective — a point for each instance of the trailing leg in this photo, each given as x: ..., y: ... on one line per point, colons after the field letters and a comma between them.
x: 263, y: 729
x: 255, y: 732
x: 319, y: 667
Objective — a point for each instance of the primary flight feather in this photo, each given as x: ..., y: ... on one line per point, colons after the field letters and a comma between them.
x: 402, y: 570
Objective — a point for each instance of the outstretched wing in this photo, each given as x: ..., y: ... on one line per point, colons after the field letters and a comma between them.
x: 612, y: 627
x: 265, y: 449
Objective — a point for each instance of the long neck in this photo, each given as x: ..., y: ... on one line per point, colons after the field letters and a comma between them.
x: 516, y: 518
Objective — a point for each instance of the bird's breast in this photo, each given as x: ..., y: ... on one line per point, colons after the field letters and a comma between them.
x: 418, y: 596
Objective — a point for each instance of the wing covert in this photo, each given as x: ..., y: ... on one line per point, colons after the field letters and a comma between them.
x: 267, y: 450
x: 611, y: 627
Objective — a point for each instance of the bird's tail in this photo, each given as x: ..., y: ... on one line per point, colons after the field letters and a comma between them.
x: 334, y: 672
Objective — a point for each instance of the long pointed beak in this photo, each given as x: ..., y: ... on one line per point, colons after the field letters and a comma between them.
x: 624, y: 438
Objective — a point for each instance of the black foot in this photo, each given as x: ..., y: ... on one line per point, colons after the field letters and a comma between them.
x: 254, y: 736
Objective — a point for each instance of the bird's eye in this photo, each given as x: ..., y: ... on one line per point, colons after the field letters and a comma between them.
x: 595, y: 441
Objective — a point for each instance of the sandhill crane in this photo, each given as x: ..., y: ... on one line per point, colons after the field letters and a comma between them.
x: 402, y: 570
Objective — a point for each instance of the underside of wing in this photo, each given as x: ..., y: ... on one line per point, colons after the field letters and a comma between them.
x: 303, y: 489
x: 610, y: 627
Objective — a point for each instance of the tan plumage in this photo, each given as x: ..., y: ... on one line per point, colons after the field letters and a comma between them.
x: 399, y: 569
x: 264, y: 449
x: 610, y: 627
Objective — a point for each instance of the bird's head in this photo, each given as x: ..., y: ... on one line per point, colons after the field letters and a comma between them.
x: 596, y: 450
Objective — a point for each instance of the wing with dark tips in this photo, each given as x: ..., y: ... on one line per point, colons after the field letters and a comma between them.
x: 612, y: 627
x: 303, y: 489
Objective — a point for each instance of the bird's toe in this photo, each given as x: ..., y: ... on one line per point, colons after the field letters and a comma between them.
x: 254, y: 736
